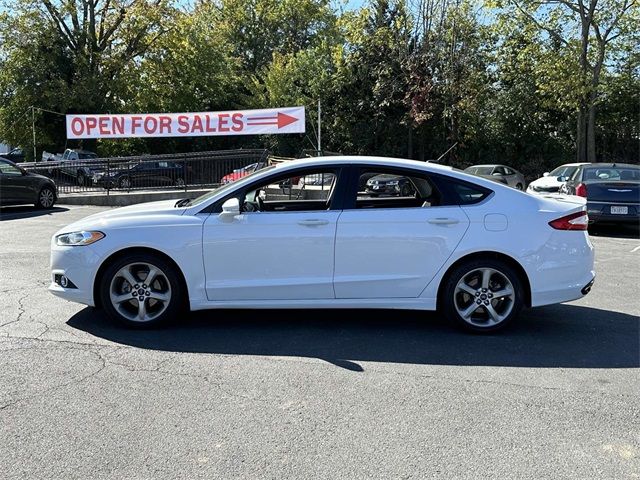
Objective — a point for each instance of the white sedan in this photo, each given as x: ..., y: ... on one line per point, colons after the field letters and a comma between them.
x: 552, y: 182
x: 474, y: 249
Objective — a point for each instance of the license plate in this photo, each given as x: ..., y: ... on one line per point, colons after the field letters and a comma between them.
x: 619, y: 210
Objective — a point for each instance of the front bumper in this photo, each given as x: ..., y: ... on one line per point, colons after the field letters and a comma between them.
x: 79, y: 265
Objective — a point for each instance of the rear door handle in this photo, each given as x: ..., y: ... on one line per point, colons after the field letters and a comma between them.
x: 443, y: 221
x: 312, y: 222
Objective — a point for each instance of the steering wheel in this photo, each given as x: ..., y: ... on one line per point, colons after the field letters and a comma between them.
x: 255, y: 205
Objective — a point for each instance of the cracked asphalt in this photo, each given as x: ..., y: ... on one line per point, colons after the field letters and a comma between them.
x: 313, y: 394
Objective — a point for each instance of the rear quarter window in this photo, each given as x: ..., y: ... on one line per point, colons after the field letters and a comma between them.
x: 459, y: 192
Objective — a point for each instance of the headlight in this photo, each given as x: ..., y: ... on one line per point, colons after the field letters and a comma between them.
x: 76, y: 239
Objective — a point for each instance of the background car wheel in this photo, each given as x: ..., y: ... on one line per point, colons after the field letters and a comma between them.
x: 482, y: 295
x: 519, y: 186
x: 405, y: 191
x: 179, y: 182
x: 46, y: 198
x: 124, y: 182
x: 141, y: 291
x: 81, y: 179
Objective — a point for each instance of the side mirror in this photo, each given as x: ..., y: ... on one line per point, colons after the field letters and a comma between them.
x: 545, y: 174
x: 231, y: 208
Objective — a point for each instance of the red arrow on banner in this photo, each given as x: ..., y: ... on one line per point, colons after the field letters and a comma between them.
x: 281, y: 120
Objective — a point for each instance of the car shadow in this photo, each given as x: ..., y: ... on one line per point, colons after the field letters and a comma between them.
x: 566, y: 336
x: 615, y: 231
x: 14, y: 213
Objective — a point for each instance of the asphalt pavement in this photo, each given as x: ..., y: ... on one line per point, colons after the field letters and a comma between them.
x: 314, y: 394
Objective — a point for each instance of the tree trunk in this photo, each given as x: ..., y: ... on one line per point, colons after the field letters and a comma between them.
x: 581, y: 136
x: 593, y: 100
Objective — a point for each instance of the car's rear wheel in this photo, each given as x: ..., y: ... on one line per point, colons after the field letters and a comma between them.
x: 482, y: 295
x: 179, y: 182
x: 124, y: 182
x: 46, y: 198
x: 141, y: 290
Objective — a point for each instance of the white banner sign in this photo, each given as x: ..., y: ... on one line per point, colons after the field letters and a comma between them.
x: 239, y: 122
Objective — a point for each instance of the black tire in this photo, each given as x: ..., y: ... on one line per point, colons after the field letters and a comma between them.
x: 479, y: 321
x: 124, y: 182
x: 405, y: 190
x: 168, y: 278
x: 179, y: 182
x: 46, y: 198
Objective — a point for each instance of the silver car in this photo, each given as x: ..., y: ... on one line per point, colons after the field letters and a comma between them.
x: 499, y: 173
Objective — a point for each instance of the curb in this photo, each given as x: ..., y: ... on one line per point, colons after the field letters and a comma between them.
x: 122, y: 199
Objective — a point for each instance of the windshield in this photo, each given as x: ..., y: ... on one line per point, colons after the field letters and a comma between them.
x: 84, y: 156
x: 563, y: 171
x: 229, y: 186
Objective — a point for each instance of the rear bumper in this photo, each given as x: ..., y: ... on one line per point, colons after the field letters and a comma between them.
x: 601, y: 212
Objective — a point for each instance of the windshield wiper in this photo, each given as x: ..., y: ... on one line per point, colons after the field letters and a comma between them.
x: 185, y: 202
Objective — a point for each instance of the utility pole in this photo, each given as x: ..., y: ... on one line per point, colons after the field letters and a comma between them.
x: 33, y: 128
x: 319, y: 128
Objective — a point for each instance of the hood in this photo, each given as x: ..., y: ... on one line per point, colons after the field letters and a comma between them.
x: 385, y: 177
x: 37, y: 175
x: 140, y: 210
x: 547, y: 182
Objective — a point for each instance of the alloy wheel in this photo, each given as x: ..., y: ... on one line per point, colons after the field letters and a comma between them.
x: 46, y: 198
x: 484, y: 297
x: 140, y: 292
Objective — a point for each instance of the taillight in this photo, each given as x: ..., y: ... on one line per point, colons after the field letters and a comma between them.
x: 574, y: 221
x: 581, y: 190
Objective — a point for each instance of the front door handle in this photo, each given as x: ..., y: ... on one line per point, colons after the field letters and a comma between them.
x: 444, y: 221
x: 312, y: 222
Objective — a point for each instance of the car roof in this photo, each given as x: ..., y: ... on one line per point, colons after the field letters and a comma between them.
x: 491, y: 165
x: 362, y: 159
x: 79, y: 150
x: 614, y: 165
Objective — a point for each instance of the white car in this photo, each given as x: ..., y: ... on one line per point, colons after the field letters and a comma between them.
x: 476, y: 250
x: 552, y: 182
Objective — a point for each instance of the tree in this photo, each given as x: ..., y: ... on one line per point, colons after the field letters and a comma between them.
x: 589, y: 28
x: 93, y: 43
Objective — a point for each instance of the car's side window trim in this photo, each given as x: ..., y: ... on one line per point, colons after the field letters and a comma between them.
x: 441, y: 184
x: 335, y: 202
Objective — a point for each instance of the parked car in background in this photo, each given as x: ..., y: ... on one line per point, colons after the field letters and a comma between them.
x: 76, y: 163
x: 16, y: 155
x: 144, y: 174
x: 241, y: 172
x: 388, y: 184
x: 19, y: 187
x: 499, y: 173
x: 550, y: 182
x: 612, y: 191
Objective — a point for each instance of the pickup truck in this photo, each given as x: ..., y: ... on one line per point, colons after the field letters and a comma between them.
x: 74, y: 162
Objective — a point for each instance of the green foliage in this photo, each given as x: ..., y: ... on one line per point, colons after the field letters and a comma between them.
x: 503, y: 81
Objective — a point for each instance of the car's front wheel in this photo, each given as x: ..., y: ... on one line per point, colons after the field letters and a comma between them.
x: 482, y: 295
x: 46, y: 198
x: 141, y: 290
